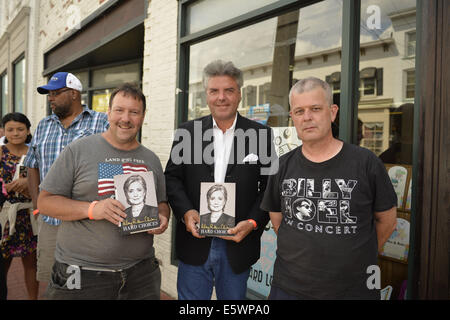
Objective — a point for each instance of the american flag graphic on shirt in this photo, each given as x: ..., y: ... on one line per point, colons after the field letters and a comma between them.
x: 107, y: 171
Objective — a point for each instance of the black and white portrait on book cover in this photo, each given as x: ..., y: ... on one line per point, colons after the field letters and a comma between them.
x: 136, y: 191
x: 217, y: 208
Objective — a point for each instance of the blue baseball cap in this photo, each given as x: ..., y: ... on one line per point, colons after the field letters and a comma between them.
x: 61, y: 80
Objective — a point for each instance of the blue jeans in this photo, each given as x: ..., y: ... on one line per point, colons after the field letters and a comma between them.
x: 139, y: 282
x: 197, y: 282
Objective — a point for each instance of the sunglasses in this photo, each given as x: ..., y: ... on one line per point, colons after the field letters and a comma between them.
x: 57, y: 93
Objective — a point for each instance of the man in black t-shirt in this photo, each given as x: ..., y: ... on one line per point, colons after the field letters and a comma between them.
x: 332, y: 205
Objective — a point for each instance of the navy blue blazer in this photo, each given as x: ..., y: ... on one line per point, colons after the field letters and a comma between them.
x: 183, y: 187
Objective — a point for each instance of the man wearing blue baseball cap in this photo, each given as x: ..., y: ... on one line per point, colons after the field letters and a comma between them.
x: 70, y: 120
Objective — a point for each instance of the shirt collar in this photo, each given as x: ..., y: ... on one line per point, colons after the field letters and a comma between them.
x: 233, y: 126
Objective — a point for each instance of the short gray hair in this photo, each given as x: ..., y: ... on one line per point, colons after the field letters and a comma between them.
x: 309, y: 84
x: 222, y: 68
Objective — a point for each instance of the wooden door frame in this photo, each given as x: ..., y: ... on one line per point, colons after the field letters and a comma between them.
x: 429, y: 276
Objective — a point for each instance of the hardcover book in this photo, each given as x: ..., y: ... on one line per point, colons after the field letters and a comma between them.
x: 217, y: 208
x: 20, y: 172
x: 136, y: 191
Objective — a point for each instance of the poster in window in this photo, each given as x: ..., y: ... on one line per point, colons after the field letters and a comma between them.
x: 397, y: 246
x: 217, y: 208
x: 261, y: 273
x: 285, y: 139
x: 408, y: 197
x: 259, y: 113
x: 400, y: 176
x: 136, y: 191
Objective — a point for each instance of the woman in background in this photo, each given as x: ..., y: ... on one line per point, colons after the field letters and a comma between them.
x: 22, y: 242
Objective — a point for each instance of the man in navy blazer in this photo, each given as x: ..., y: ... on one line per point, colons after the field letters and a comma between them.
x: 221, y: 147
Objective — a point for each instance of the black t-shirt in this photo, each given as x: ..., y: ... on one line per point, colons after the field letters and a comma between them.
x: 327, y: 238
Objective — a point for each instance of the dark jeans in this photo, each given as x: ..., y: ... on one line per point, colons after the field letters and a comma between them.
x: 139, y: 282
x: 3, y: 288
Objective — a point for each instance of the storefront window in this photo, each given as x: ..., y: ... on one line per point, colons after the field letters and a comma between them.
x: 203, y: 14
x: 410, y: 84
x: 19, y: 85
x: 373, y: 134
x: 273, y: 54
x: 411, y: 44
x: 307, y: 41
x: 84, y: 79
x: 388, y: 36
x: 113, y: 76
x: 367, y: 87
x: 100, y: 100
x: 4, y: 93
x: 109, y: 78
x: 99, y: 83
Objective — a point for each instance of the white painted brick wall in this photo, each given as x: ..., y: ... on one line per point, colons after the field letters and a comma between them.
x: 159, y: 83
x: 159, y: 79
x: 52, y: 25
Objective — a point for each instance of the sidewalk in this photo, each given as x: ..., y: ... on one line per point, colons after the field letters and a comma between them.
x: 16, y: 283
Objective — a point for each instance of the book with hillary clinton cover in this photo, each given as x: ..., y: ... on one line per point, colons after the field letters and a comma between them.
x: 134, y: 187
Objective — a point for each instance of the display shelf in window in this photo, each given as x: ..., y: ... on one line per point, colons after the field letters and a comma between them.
x: 396, y: 247
x: 400, y: 176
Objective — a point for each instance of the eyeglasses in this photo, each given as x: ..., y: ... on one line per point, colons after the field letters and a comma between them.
x: 57, y: 93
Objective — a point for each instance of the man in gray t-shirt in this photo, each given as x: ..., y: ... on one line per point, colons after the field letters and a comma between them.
x: 93, y: 259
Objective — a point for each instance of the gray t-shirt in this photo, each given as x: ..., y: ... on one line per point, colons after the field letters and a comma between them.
x: 84, y: 171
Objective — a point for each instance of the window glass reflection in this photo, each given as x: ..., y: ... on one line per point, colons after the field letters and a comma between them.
x: 19, y: 86
x: 203, y: 14
x: 100, y: 100
x: 387, y: 78
x: 4, y: 93
x: 113, y: 76
x: 273, y: 54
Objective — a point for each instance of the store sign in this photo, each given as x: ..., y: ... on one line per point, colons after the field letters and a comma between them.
x: 261, y: 273
x: 100, y: 102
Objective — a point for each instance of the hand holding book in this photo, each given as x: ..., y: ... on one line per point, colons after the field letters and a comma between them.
x: 240, y: 231
x: 192, y: 220
x: 164, y: 214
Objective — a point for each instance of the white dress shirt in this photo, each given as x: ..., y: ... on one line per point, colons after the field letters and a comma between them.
x: 222, y: 149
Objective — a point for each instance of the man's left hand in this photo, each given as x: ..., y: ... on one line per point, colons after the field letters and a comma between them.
x: 163, y: 224
x: 239, y: 232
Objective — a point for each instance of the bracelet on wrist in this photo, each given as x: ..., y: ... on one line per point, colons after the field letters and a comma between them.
x: 91, y: 209
x: 253, y: 222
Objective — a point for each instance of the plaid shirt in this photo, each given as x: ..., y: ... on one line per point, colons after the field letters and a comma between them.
x: 50, y: 139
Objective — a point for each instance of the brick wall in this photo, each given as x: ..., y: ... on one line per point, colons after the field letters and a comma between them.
x: 53, y: 20
x: 57, y: 19
x: 159, y: 84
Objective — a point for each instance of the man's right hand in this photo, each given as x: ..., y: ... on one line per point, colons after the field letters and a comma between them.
x: 109, y: 209
x: 191, y: 218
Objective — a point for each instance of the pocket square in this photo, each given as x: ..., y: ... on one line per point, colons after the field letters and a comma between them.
x: 250, y: 158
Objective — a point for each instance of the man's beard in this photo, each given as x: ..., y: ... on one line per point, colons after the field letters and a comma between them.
x: 61, y: 111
